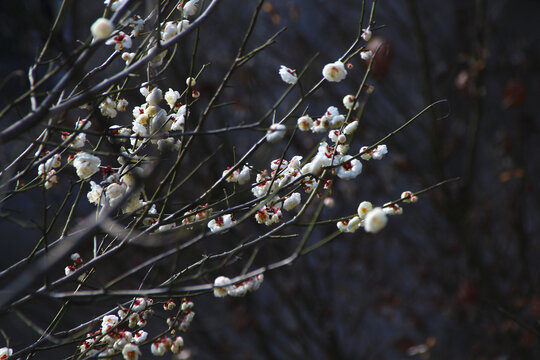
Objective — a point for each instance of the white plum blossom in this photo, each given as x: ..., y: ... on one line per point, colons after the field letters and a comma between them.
x: 86, y: 165
x: 121, y: 105
x: 115, y: 4
x: 5, y: 352
x: 221, y: 222
x: 375, y: 220
x: 366, y: 55
x: 392, y: 209
x: 292, y: 201
x: 154, y: 97
x: 334, y: 72
x: 376, y: 153
x: 101, y: 28
x: 186, y: 321
x: 349, y: 101
x: 268, y: 215
x: 276, y: 133
x: 114, y: 193
x: 52, y: 163
x: 120, y: 41
x: 366, y: 34
x: 295, y: 163
x: 337, y: 137
x: 144, y: 90
x: 251, y: 284
x: 108, y: 322
x: 321, y: 159
x: 137, y: 23
x: 364, y: 208
x: 379, y: 152
x: 133, y: 203
x: 409, y: 197
x: 139, y: 304
x: 331, y: 119
x: 76, y: 257
x: 131, y: 352
x: 350, y: 225
x: 191, y: 82
x: 50, y: 180
x: 190, y: 8
x: 182, y: 25
x: 171, y: 97
x: 178, y: 123
x: 159, y: 122
x: 241, y: 176
x: 108, y: 107
x: 169, y: 31
x: 367, y: 155
x: 128, y: 57
x: 118, y: 134
x: 160, y: 347
x: 125, y: 338
x: 140, y: 337
x: 322, y: 124
x: 342, y: 148
x: 182, y: 111
x: 351, y: 128
x: 279, y: 164
x: 239, y: 289
x: 220, y: 289
x: 305, y: 123
x: 95, y: 195
x: 77, y: 142
x: 83, y: 124
x: 186, y: 305
x: 177, y: 345
x: 168, y: 144
x: 349, y: 168
x: 288, y: 75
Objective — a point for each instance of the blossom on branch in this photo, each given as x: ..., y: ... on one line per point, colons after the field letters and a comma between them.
x: 102, y: 28
x: 288, y: 75
x: 375, y: 220
x: 334, y: 72
x: 276, y: 133
x: 86, y: 165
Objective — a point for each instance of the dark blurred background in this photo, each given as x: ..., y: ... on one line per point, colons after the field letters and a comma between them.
x: 458, y: 272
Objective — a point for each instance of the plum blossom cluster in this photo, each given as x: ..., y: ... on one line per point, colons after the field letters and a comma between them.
x: 374, y: 219
x: 409, y: 197
x: 47, y: 171
x: 162, y: 345
x: 376, y: 153
x: 331, y: 119
x: 124, y: 334
x: 371, y: 219
x: 184, y: 319
x: 200, y: 213
x: 221, y: 223
x: 223, y: 286
x: 240, y: 176
x: 151, y: 125
x: 151, y: 122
